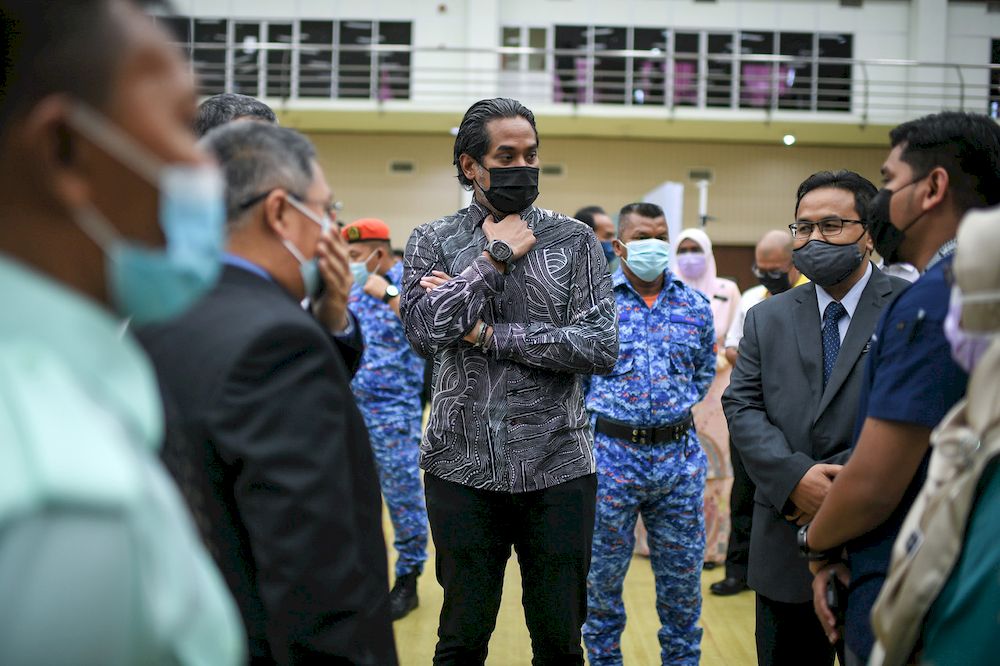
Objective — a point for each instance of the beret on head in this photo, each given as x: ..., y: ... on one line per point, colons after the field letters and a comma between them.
x: 977, y: 269
x: 366, y: 229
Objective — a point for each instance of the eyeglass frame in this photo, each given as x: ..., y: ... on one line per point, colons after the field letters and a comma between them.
x: 843, y: 222
x: 328, y: 210
x: 774, y: 275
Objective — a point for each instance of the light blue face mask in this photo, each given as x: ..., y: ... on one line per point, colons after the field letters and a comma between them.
x: 648, y: 258
x: 150, y: 284
x: 312, y: 281
x: 359, y: 269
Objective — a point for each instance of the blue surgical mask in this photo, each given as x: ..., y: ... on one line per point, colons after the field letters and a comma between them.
x: 150, y: 284
x: 312, y: 281
x: 609, y: 250
x: 647, y: 258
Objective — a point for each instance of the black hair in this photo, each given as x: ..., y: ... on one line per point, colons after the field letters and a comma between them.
x: 586, y: 215
x: 642, y: 209
x: 849, y: 181
x: 966, y: 145
x: 227, y: 107
x: 473, y: 139
x: 57, y: 46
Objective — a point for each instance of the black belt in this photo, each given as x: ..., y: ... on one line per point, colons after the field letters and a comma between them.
x: 644, y: 435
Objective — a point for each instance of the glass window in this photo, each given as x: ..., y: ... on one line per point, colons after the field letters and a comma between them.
x: 719, y: 79
x: 797, y: 78
x: 316, y: 59
x: 246, y: 58
x: 609, y: 71
x: 394, y: 66
x: 648, y: 71
x: 834, y: 80
x: 510, y: 36
x: 571, y: 68
x: 994, y: 106
x: 179, y: 28
x: 537, y: 38
x: 757, y: 79
x: 686, y: 68
x: 355, y: 66
x: 279, y: 60
x: 209, y: 55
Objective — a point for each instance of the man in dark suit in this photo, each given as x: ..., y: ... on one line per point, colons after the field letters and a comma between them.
x: 266, y: 441
x: 793, y: 400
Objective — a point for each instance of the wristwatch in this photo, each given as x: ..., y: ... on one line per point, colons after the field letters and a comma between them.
x: 802, y: 538
x: 391, y: 292
x: 501, y: 251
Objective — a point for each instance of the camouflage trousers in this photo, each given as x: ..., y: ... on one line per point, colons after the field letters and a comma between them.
x: 395, y: 437
x: 666, y: 484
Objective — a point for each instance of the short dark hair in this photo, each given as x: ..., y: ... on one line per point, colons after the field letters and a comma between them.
x: 640, y: 208
x: 966, y: 145
x: 862, y: 188
x: 473, y: 139
x: 256, y: 158
x: 227, y: 107
x: 57, y: 46
x: 586, y: 214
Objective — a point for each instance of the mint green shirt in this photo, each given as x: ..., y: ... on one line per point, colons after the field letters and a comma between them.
x: 100, y: 562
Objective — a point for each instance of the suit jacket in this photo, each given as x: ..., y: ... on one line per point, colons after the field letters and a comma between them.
x: 273, y: 457
x: 782, y: 421
x: 351, y: 347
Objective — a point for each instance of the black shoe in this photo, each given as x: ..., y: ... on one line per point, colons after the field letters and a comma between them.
x: 728, y: 587
x: 403, y: 597
x: 708, y: 566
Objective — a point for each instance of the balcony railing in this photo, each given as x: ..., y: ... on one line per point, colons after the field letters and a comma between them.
x: 844, y: 89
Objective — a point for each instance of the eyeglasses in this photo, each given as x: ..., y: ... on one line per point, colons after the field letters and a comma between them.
x: 774, y: 275
x: 330, y: 209
x: 832, y: 226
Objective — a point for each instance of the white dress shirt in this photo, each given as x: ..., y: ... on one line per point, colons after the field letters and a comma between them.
x: 849, y: 301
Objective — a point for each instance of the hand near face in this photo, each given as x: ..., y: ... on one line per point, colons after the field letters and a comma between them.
x: 334, y: 267
x: 513, y: 230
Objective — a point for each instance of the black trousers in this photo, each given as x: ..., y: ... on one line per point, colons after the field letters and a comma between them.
x: 473, y: 531
x: 791, y: 635
x: 740, y: 519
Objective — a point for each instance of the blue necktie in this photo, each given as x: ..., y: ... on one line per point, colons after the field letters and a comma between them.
x: 831, y: 337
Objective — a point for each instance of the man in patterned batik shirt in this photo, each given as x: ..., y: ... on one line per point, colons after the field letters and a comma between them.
x: 649, y: 461
x: 508, y: 451
x: 387, y: 388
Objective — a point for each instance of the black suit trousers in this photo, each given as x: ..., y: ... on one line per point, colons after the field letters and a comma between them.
x: 740, y: 518
x: 791, y: 635
x: 473, y: 531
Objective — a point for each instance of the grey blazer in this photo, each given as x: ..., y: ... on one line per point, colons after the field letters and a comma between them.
x: 782, y: 421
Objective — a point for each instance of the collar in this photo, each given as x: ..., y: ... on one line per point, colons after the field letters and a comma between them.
x: 851, y: 298
x: 943, y: 252
x: 619, y: 279
x: 478, y: 214
x: 88, y: 340
x: 240, y: 262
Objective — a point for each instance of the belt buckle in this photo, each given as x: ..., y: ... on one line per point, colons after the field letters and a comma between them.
x: 639, y: 435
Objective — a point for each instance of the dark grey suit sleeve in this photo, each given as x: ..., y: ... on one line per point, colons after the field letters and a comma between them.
x: 282, y: 422
x: 352, y: 346
x: 765, y: 451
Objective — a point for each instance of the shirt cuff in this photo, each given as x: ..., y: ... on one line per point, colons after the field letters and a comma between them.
x: 482, y: 271
x: 348, y: 330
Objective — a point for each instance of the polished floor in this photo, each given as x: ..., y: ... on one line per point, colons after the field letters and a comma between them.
x: 727, y: 621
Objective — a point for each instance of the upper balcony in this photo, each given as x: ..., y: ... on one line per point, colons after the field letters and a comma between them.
x: 626, y: 82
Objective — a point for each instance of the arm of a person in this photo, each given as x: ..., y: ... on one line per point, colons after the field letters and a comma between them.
x: 765, y: 451
x: 734, y: 334
x: 351, y: 344
x: 279, y: 420
x: 872, y: 483
x: 588, y: 345
x: 704, y: 371
x: 435, y: 319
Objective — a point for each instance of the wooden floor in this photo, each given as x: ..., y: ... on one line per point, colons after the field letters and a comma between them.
x: 727, y: 621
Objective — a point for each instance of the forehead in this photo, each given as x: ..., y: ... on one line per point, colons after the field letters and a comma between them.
x: 651, y: 226
x: 689, y: 243
x: 894, y: 163
x: 515, y: 132
x: 827, y: 202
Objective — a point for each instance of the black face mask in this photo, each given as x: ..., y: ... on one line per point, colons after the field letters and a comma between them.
x: 512, y: 189
x: 776, y: 285
x: 825, y: 263
x: 887, y: 238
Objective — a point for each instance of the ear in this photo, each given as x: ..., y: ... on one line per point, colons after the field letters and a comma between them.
x: 470, y: 167
x: 276, y: 212
x: 60, y: 159
x: 869, y: 242
x: 620, y: 250
x: 937, y: 188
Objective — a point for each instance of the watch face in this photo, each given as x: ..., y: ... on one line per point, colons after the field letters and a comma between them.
x: 500, y: 251
x: 392, y: 290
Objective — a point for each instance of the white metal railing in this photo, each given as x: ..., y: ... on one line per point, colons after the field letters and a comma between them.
x: 852, y: 90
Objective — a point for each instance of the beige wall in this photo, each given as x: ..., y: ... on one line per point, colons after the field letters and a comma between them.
x: 753, y: 191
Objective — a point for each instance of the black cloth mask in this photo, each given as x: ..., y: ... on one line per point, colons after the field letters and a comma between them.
x: 512, y: 189
x: 827, y: 264
x: 776, y: 285
x: 887, y: 238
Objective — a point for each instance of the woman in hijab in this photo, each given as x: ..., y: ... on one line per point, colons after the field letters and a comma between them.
x: 694, y: 264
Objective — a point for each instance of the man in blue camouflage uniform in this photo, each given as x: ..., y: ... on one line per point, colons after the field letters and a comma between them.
x: 387, y: 387
x: 649, y: 461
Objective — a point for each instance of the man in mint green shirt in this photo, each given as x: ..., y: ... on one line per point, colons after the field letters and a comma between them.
x: 107, y: 211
